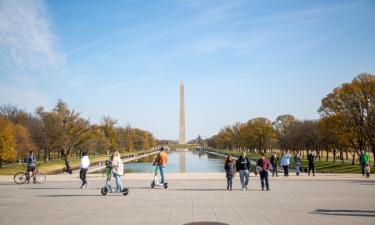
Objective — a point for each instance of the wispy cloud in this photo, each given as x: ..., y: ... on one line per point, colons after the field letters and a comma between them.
x: 108, y: 37
x: 26, y: 39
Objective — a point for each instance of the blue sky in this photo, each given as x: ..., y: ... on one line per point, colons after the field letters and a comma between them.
x: 238, y: 59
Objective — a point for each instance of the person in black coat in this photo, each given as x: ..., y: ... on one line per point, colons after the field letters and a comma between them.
x: 230, y: 171
x: 243, y: 166
x: 274, y: 161
x: 311, y: 158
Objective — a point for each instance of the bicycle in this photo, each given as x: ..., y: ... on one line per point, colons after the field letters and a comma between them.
x: 21, y: 177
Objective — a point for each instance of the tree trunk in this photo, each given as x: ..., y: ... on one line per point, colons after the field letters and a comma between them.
x: 353, y: 157
x: 334, y: 155
x: 346, y: 154
x: 327, y: 155
x: 1, y: 163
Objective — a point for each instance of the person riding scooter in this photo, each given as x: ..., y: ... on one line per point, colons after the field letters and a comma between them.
x: 161, y: 162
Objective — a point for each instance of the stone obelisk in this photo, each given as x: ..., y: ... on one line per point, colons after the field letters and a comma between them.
x: 182, y: 140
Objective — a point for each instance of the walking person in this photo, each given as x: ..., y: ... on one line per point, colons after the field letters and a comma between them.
x: 264, y: 165
x: 274, y: 163
x: 285, y: 163
x: 363, y: 160
x: 117, y: 170
x: 85, y: 163
x: 68, y: 170
x: 161, y: 161
x: 297, y: 163
x: 230, y: 171
x: 311, y: 158
x: 243, y: 166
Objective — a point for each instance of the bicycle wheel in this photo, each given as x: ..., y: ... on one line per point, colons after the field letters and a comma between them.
x: 40, y: 177
x: 20, y: 178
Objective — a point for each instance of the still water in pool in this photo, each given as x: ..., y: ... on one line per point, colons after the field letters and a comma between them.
x: 180, y: 161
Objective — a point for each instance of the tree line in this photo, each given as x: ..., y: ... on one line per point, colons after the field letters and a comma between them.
x: 346, y: 126
x: 63, y: 132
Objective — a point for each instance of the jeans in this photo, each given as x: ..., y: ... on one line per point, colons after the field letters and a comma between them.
x: 264, y: 179
x: 162, y: 174
x: 286, y: 170
x: 119, y: 186
x: 229, y: 183
x: 82, y: 175
x: 244, y: 178
x: 298, y: 170
x: 274, y: 170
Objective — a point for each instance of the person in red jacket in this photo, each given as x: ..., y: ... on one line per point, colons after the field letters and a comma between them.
x: 263, y: 164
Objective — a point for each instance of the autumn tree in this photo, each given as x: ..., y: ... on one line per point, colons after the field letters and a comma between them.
x: 7, y: 141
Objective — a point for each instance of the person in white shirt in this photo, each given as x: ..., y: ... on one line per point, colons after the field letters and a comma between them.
x: 85, y: 163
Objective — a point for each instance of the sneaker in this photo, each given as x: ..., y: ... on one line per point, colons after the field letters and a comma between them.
x: 268, y: 189
x: 243, y: 189
x: 81, y: 187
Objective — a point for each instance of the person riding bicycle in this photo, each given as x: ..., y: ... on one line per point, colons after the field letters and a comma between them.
x: 31, y: 166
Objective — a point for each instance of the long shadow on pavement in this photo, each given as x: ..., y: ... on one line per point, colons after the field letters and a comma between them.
x: 79, y: 195
x: 345, y: 212
x: 363, y: 182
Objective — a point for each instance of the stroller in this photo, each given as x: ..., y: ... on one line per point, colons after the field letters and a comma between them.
x: 108, y: 175
x: 155, y: 182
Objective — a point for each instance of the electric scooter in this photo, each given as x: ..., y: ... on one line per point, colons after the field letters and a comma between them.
x: 107, y: 186
x: 155, y: 182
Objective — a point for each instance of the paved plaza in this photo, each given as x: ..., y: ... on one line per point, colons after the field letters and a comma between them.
x: 325, y: 199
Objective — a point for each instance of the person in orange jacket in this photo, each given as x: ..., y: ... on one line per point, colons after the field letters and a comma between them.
x: 161, y: 161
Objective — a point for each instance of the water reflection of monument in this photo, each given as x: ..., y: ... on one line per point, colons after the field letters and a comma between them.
x: 182, y: 161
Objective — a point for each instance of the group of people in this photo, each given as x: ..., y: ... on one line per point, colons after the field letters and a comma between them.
x: 116, y: 169
x: 242, y: 166
x: 232, y: 166
x: 285, y: 162
x: 263, y: 166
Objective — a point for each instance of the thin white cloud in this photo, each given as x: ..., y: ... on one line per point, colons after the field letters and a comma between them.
x: 95, y: 42
x: 27, y: 42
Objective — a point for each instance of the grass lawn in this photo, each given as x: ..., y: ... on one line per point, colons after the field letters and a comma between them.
x: 56, y: 166
x: 320, y: 166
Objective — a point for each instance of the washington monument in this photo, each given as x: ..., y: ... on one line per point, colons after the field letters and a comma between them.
x: 181, y: 140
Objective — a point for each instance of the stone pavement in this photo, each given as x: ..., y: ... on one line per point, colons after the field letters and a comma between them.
x: 325, y: 199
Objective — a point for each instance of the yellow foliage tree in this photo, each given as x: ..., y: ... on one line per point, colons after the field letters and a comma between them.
x: 7, y: 141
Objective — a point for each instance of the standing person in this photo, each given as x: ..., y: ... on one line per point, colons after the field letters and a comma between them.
x: 85, y: 163
x: 161, y: 161
x: 285, y: 163
x: 68, y: 170
x: 274, y: 163
x: 363, y: 160
x: 297, y: 162
x: 117, y: 170
x: 230, y: 171
x: 264, y: 164
x: 311, y: 158
x: 31, y: 165
x: 243, y: 166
